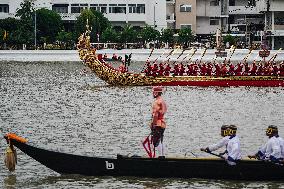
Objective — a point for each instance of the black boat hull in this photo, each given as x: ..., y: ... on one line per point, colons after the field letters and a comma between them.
x: 206, y: 168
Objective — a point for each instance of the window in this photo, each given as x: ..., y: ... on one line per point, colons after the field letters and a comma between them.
x: 121, y: 8
x: 183, y: 26
x: 185, y: 8
x: 214, y: 21
x: 102, y: 8
x: 232, y: 3
x: 4, y: 8
x: 60, y: 8
x: 132, y: 8
x: 214, y: 3
x: 77, y: 8
x: 139, y: 8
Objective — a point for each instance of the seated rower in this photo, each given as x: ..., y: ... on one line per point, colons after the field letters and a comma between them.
x: 232, y: 143
x: 271, y: 150
x: 114, y: 56
x: 122, y: 68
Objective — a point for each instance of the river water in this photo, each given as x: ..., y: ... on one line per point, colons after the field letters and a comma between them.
x: 55, y: 107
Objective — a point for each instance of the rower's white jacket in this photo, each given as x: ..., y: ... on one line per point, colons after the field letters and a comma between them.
x: 223, y: 142
x: 281, y: 142
x: 233, y: 148
x: 271, y: 148
x: 232, y: 144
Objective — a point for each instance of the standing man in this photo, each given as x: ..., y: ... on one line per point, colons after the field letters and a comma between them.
x: 158, y: 124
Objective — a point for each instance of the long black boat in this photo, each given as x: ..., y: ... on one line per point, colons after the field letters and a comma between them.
x: 207, y: 168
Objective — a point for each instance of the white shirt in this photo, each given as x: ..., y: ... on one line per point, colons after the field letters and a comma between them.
x: 271, y: 148
x: 281, y: 142
x: 233, y: 148
x: 223, y: 142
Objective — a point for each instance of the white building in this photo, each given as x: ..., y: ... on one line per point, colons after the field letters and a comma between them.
x: 119, y: 12
x: 274, y: 20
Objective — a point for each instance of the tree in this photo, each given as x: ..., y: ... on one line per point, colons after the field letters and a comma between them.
x: 65, y: 39
x: 149, y: 34
x: 128, y: 34
x: 96, y: 21
x: 231, y: 39
x: 185, y: 36
x: 109, y: 35
x: 25, y: 33
x: 8, y: 27
x: 167, y: 36
x: 49, y: 23
x: 101, y: 22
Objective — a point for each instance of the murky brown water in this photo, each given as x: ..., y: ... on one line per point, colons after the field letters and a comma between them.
x: 56, y: 107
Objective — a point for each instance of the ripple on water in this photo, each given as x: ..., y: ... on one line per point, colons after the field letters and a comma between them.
x: 56, y: 107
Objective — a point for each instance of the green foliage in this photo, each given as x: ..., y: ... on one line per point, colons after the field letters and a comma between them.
x: 109, y: 35
x: 185, y: 36
x: 231, y: 39
x: 26, y: 11
x: 65, y: 39
x: 49, y: 23
x: 101, y: 22
x: 24, y: 32
x: 128, y: 34
x: 149, y: 34
x: 167, y: 36
x: 96, y: 21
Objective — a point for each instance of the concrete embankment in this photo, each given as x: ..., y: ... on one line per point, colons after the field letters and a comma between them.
x: 137, y: 55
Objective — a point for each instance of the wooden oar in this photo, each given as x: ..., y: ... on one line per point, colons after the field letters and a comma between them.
x: 170, y: 53
x: 214, y: 154
x: 247, y: 56
x: 159, y: 57
x: 274, y: 56
x: 192, y: 55
x: 179, y: 56
x: 147, y: 59
x: 234, y: 48
x: 187, y: 55
x: 203, y: 54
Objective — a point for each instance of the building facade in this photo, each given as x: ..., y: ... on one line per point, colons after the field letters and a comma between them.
x: 273, y: 11
x: 250, y: 20
x: 119, y: 12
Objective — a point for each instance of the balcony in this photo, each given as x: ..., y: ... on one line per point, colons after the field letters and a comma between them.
x: 171, y: 2
x: 131, y: 17
x: 242, y: 10
x: 208, y: 11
